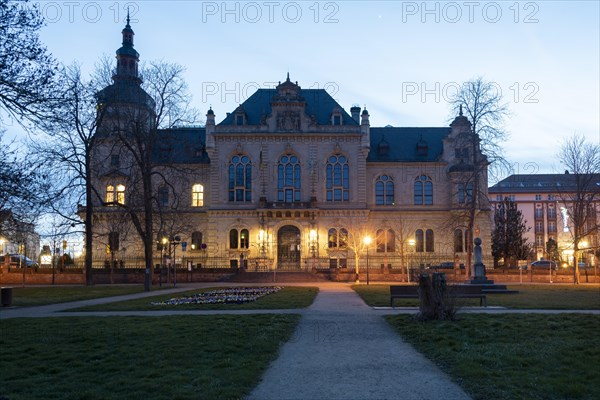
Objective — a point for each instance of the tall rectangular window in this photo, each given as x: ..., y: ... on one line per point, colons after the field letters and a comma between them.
x: 197, y: 195
x: 337, y: 178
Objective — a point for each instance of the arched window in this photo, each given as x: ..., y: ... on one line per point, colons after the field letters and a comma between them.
x: 288, y: 179
x: 113, y: 241
x: 240, y: 179
x: 239, y: 239
x: 384, y: 190
x: 244, y: 239
x: 386, y: 241
x: 423, y: 189
x: 338, y: 178
x: 429, y: 242
x: 419, y: 245
x: 197, y: 195
x: 343, y: 239
x: 196, y: 240
x: 332, y: 238
x: 458, y: 241
x: 390, y: 241
x: 337, y: 239
x: 233, y: 239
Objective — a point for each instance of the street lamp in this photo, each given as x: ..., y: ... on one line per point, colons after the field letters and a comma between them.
x: 367, y: 241
x: 312, y: 245
x: 411, y: 243
x: 175, y: 241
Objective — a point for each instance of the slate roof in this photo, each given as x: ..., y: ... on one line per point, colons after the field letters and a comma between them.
x: 542, y: 183
x: 318, y: 103
x: 403, y: 142
x: 181, y: 146
x: 125, y: 91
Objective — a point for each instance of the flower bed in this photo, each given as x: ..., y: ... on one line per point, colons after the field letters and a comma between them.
x: 236, y: 295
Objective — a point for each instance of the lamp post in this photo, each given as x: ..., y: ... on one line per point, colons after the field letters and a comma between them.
x: 411, y: 244
x: 367, y: 241
x: 163, y: 260
x: 175, y: 241
x: 312, y: 240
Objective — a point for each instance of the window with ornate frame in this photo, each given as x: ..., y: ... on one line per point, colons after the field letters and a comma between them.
x: 384, y: 190
x: 197, y: 195
x: 288, y: 179
x: 240, y: 179
x: 423, y: 190
x: 385, y: 240
x: 337, y: 173
x: 115, y: 194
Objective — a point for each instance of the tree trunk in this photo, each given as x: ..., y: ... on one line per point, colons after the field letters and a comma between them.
x: 88, y: 223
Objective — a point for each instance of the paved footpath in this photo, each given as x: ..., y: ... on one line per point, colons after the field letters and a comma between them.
x: 342, y: 350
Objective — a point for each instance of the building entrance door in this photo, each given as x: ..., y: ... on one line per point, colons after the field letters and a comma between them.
x: 288, y: 248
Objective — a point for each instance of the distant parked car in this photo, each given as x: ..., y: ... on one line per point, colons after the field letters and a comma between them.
x: 582, y: 265
x: 447, y: 265
x: 17, y: 260
x: 543, y: 264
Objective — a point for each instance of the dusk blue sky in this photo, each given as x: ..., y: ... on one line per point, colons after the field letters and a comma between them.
x: 400, y: 59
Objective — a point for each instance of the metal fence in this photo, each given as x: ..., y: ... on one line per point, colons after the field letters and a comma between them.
x: 393, y: 263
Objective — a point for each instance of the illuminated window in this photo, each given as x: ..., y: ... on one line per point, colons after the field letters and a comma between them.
x: 239, y: 239
x: 115, y: 194
x: 197, y: 195
x: 337, y: 239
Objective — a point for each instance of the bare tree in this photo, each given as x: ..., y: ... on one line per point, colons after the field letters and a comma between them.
x: 580, y: 195
x: 481, y: 101
x: 136, y: 136
x: 67, y: 152
x: 27, y: 70
x: 482, y: 104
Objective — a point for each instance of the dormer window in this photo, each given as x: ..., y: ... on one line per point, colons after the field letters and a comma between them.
x: 422, y: 148
x: 239, y: 119
x: 336, y: 117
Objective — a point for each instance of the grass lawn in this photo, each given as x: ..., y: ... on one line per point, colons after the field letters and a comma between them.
x: 37, y: 296
x: 523, y: 356
x: 288, y: 297
x: 557, y: 297
x: 175, y: 357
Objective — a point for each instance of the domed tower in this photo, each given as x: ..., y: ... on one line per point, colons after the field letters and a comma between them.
x: 127, y: 57
x: 125, y: 98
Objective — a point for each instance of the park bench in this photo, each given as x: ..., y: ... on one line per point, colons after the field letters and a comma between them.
x: 458, y: 291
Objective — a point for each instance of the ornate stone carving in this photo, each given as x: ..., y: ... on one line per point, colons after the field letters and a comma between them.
x: 288, y: 120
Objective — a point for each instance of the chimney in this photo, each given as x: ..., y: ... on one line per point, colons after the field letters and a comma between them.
x: 355, y: 112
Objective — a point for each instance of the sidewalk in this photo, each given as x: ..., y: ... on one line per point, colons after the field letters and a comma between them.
x: 342, y: 350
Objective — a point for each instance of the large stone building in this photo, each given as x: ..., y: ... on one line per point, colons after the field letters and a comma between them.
x: 546, y: 203
x: 289, y: 180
